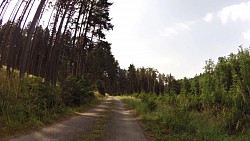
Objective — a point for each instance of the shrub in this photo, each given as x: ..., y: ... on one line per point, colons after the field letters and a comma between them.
x: 100, y: 87
x: 195, y: 104
x: 27, y: 102
x: 47, y: 96
x: 76, y: 91
x: 151, y: 105
x: 235, y: 121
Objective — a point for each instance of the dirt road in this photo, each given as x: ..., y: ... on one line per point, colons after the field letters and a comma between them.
x: 121, y: 126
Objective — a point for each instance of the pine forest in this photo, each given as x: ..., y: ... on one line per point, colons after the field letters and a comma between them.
x: 55, y: 58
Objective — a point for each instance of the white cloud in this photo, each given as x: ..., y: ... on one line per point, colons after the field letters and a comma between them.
x: 235, y: 12
x: 208, y: 17
x: 177, y: 28
x: 246, y: 35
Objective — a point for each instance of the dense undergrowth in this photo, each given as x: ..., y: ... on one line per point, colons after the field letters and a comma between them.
x: 214, y: 105
x: 186, y: 117
x: 31, y: 102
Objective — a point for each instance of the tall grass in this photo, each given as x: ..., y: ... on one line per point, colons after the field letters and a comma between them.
x: 29, y: 102
x: 26, y: 102
x: 182, y: 117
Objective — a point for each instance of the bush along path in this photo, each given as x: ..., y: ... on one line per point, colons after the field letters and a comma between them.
x: 108, y: 121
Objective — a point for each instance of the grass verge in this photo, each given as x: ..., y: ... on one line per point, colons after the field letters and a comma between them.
x: 168, y: 121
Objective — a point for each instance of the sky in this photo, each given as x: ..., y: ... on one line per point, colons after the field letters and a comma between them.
x: 174, y: 36
x: 177, y: 36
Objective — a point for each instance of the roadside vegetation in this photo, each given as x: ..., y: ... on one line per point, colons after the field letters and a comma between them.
x: 212, y: 106
x: 28, y: 103
x: 48, y: 71
x: 174, y: 117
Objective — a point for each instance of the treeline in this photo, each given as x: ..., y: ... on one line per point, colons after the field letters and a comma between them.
x: 231, y: 74
x: 148, y: 80
x: 225, y: 83
x: 71, y: 44
x: 223, y: 88
x: 140, y: 80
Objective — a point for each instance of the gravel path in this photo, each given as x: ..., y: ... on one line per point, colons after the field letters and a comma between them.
x: 121, y: 126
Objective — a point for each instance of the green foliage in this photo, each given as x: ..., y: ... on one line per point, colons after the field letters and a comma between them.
x: 100, y: 87
x: 151, y: 105
x: 235, y: 121
x: 214, y: 105
x: 31, y: 102
x: 27, y: 102
x: 76, y: 91
x: 45, y: 95
x: 183, y: 117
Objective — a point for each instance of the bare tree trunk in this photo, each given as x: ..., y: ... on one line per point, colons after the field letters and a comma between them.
x: 13, y: 36
x: 68, y: 19
x: 56, y: 48
x: 42, y: 12
x: 42, y: 59
x: 85, y: 16
x: 4, y: 6
x: 23, y: 13
x: 31, y: 61
x: 28, y: 15
x: 13, y: 11
x: 5, y: 35
x: 50, y: 17
x: 82, y: 55
x: 51, y: 41
x: 77, y: 23
x: 73, y: 53
x: 71, y: 13
x: 2, y: 3
x: 31, y: 30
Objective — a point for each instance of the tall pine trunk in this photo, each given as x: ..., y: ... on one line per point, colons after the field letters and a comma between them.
x: 56, y: 48
x: 30, y: 33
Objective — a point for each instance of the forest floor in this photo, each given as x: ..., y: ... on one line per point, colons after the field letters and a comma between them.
x: 111, y: 120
